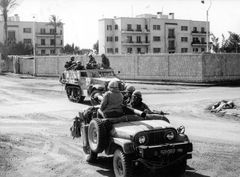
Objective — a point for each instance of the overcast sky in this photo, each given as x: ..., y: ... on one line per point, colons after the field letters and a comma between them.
x: 80, y: 17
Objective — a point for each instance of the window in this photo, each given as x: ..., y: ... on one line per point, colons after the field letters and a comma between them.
x: 116, y: 38
x: 52, y: 42
x: 156, y: 38
x: 184, y: 50
x: 203, y: 40
x: 184, y: 39
x: 171, y: 45
x: 195, y: 49
x: 43, y: 52
x: 109, y: 38
x: 52, y: 31
x: 61, y: 32
x: 184, y: 28
x: 146, y: 27
x: 194, y: 29
x: 42, y: 30
x: 116, y: 50
x: 156, y: 50
x: 202, y: 49
x: 27, y: 41
x: 139, y: 39
x: 196, y: 40
x: 171, y: 33
x: 138, y: 50
x: 109, y: 27
x: 116, y: 27
x: 139, y: 28
x: 52, y: 52
x: 129, y: 27
x: 61, y: 42
x: 129, y: 39
x: 42, y: 41
x: 156, y: 27
x: 11, y: 36
x: 27, y: 30
x: 203, y: 30
x: 146, y: 39
x: 129, y: 50
x: 109, y: 50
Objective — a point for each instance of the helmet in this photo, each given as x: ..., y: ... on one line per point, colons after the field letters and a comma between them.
x: 72, y: 58
x: 113, y: 84
x: 137, y: 94
x: 130, y: 89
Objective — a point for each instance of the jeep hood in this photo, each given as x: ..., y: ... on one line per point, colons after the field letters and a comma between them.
x: 102, y: 80
x: 127, y: 130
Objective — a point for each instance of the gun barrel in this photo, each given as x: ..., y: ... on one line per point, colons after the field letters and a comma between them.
x: 137, y: 112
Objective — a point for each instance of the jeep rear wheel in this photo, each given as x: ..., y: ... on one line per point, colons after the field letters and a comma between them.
x: 122, y: 164
x: 74, y: 94
x: 97, y: 135
x: 94, y: 100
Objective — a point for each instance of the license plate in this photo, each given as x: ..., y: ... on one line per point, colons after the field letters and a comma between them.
x: 167, y: 151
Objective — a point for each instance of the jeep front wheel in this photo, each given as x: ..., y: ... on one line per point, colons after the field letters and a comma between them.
x: 122, y: 164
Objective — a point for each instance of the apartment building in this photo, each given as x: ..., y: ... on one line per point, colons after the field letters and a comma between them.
x: 150, y: 33
x: 38, y: 32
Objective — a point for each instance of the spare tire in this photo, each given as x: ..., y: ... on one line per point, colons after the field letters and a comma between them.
x: 97, y: 135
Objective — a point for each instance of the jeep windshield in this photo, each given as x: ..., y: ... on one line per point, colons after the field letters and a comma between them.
x: 103, y: 73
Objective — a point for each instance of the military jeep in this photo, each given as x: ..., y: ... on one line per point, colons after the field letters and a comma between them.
x: 82, y: 83
x: 135, y: 140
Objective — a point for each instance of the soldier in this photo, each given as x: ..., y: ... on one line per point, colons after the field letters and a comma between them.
x: 105, y: 62
x: 92, y: 64
x: 128, y: 94
x: 136, y: 102
x: 111, y: 105
x: 71, y: 63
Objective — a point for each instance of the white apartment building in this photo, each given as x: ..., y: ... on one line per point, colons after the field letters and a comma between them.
x: 39, y: 32
x: 149, y: 33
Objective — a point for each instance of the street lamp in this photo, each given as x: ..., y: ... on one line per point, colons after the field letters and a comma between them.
x: 207, y: 27
x: 34, y: 50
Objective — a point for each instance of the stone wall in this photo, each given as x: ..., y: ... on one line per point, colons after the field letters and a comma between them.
x: 162, y: 67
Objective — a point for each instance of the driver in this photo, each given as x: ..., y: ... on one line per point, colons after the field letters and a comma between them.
x: 111, y: 105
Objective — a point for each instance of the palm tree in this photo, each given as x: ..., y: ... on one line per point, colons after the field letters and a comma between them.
x: 55, y: 22
x: 5, y: 6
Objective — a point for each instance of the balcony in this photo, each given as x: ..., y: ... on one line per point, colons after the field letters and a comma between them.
x: 48, y: 46
x: 199, y: 33
x: 48, y: 34
x: 137, y: 31
x: 171, y: 48
x: 135, y: 43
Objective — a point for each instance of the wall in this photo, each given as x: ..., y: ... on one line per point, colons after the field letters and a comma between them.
x: 161, y: 67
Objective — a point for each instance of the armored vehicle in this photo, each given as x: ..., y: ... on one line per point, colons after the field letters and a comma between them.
x: 82, y: 83
x: 136, y: 139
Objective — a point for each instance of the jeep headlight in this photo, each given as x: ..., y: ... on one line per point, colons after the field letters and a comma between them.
x: 169, y: 135
x: 142, y: 139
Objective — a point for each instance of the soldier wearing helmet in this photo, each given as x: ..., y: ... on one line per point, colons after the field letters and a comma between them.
x: 136, y: 102
x: 111, y: 105
x: 128, y: 94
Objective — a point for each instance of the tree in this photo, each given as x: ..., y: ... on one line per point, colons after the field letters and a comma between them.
x: 55, y: 22
x: 234, y: 40
x: 215, y: 41
x: 5, y: 7
x: 96, y: 47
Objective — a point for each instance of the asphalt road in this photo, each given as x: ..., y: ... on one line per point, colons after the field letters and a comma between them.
x: 35, y: 117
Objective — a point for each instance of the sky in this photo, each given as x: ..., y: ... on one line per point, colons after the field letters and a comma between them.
x: 80, y: 17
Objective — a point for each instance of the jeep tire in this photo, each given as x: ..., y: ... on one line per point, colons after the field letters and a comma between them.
x: 122, y: 164
x: 94, y: 102
x: 97, y: 135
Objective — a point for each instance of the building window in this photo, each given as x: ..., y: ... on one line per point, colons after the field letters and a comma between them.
x: 196, y: 40
x: 109, y: 27
x: 139, y: 28
x: 195, y: 49
x: 146, y: 27
x: 116, y: 38
x: 43, y: 31
x: 109, y: 50
x: 203, y: 30
x: 129, y: 50
x: 43, y: 52
x: 184, y: 50
x: 156, y: 38
x: 194, y: 29
x: 156, y: 50
x: 171, y: 45
x: 52, y: 31
x: 116, y: 50
x: 129, y: 39
x: 171, y: 33
x: 11, y: 36
x: 129, y: 27
x: 52, y: 52
x: 42, y: 41
x: 116, y: 27
x: 61, y: 32
x: 184, y: 28
x: 61, y: 42
x: 27, y: 30
x: 138, y: 50
x: 202, y: 49
x: 156, y: 27
x: 27, y: 41
x: 139, y: 39
x: 184, y: 39
x: 203, y: 40
x: 109, y: 38
x: 52, y: 42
